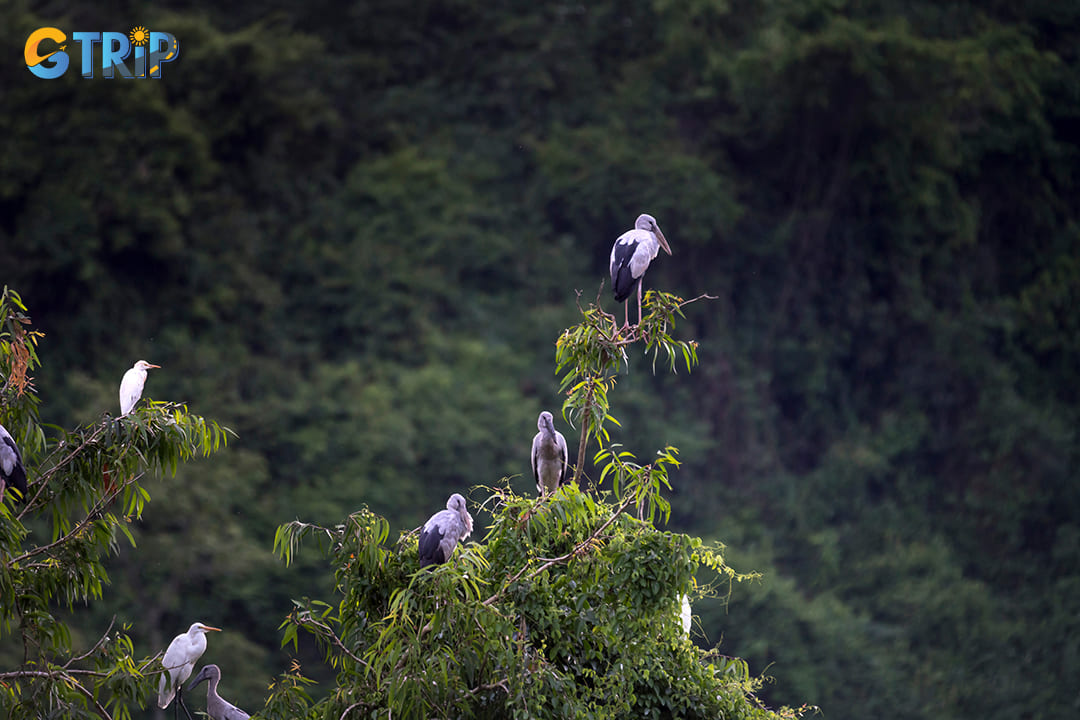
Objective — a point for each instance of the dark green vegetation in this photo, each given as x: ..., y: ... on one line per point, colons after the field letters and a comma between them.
x: 582, y: 620
x: 352, y: 233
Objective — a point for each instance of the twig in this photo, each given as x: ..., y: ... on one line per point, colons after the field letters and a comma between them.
x: 327, y: 631
x: 76, y: 685
x: 98, y: 644
x: 94, y: 513
x: 548, y: 562
x: 354, y: 705
x: 43, y: 478
x: 504, y: 684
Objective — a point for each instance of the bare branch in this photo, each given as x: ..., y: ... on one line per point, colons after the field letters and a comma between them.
x: 327, y: 632
x: 101, y: 641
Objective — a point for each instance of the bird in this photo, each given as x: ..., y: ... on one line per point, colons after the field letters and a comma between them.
x: 549, y: 455
x: 184, y: 650
x: 630, y: 258
x: 443, y: 531
x: 131, y: 386
x: 12, y: 472
x: 216, y: 707
x: 684, y: 613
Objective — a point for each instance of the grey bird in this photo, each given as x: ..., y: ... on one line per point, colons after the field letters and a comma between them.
x: 549, y: 455
x: 443, y: 531
x: 216, y: 707
x: 12, y: 472
x: 630, y: 258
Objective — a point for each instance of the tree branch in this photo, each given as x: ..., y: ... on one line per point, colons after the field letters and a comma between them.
x: 43, y: 478
x: 70, y: 682
x: 101, y: 641
x: 548, y: 562
x: 327, y: 631
x: 95, y: 513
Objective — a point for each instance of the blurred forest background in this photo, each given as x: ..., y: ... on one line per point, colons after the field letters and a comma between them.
x: 351, y: 231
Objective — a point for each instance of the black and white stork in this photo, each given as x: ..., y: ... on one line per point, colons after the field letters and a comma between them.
x: 630, y: 258
x: 12, y: 472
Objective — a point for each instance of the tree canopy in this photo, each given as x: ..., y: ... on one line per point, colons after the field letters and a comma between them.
x: 352, y: 233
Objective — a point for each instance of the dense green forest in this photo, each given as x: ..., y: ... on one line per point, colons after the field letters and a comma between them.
x: 352, y: 232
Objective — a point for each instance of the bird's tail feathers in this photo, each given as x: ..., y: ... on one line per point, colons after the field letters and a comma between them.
x: 623, y: 284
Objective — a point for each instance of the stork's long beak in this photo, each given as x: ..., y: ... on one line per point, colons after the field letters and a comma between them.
x: 663, y: 240
x: 207, y: 627
x: 158, y: 366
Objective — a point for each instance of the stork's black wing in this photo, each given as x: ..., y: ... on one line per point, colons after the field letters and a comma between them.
x: 429, y: 550
x: 623, y: 281
x: 9, y: 455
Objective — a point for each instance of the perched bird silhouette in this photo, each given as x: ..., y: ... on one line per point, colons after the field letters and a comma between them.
x: 179, y: 660
x: 216, y: 707
x: 131, y: 386
x: 12, y: 472
x: 630, y: 258
x: 549, y: 455
x: 443, y: 531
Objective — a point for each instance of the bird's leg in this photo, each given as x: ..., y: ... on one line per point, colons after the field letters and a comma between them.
x: 180, y: 700
x: 626, y: 313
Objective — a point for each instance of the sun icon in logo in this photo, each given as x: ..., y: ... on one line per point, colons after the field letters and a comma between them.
x: 139, y: 35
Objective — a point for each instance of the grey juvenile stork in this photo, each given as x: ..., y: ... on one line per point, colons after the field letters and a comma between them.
x: 549, y: 455
x: 184, y: 651
x: 630, y: 258
x: 12, y: 472
x: 131, y: 386
x: 216, y: 707
x: 443, y: 531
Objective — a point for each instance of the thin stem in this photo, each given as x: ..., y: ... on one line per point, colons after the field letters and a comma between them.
x: 70, y: 682
x: 549, y: 562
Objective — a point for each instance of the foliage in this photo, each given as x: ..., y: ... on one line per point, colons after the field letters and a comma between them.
x: 351, y: 232
x: 567, y: 608
x: 85, y: 487
x: 590, y: 354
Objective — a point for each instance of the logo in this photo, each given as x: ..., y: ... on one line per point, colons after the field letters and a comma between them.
x: 46, y: 53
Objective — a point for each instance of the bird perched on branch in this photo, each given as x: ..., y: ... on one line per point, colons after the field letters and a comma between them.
x: 179, y: 660
x: 443, y: 531
x: 217, y: 707
x: 12, y: 472
x: 131, y: 386
x: 630, y: 258
x: 549, y: 455
x: 684, y: 613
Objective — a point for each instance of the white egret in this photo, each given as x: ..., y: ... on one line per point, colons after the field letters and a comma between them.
x: 216, y: 706
x: 630, y: 258
x: 443, y: 531
x: 184, y: 651
x: 12, y: 472
x: 549, y: 455
x: 131, y: 386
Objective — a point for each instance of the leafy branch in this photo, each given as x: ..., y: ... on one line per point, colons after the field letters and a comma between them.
x: 588, y: 542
